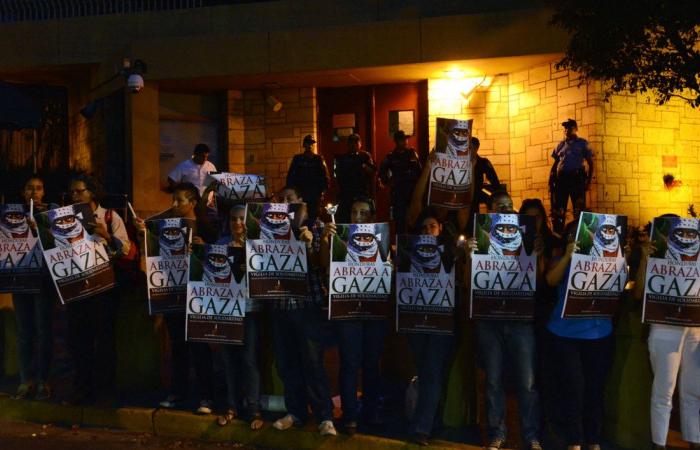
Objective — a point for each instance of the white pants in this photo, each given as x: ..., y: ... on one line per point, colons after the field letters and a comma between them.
x: 673, y: 349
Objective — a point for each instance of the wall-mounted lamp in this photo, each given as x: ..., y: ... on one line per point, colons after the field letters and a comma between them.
x: 274, y: 102
x: 670, y: 182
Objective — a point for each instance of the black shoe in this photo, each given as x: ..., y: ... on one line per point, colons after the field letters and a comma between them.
x: 420, y: 439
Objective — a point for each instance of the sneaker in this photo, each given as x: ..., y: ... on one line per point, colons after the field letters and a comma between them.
x: 535, y: 445
x: 285, y: 422
x: 327, y: 428
x: 420, y: 439
x: 170, y: 401
x: 43, y: 391
x: 204, y: 407
x: 24, y: 391
x: 496, y: 444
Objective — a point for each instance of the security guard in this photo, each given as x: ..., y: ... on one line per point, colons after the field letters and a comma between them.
x: 354, y: 171
x: 308, y: 173
x: 568, y: 178
x: 400, y: 170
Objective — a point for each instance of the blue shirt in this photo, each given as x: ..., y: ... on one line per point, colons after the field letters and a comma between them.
x: 571, y: 153
x: 576, y: 328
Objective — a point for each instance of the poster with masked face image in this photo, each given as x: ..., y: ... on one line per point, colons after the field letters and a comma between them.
x: 276, y: 258
x: 598, y: 271
x: 451, y: 171
x: 216, y: 295
x: 237, y: 187
x: 425, y: 286
x: 504, y: 268
x: 167, y: 244
x: 20, y: 253
x: 360, y: 274
x: 672, y: 289
x: 77, y: 260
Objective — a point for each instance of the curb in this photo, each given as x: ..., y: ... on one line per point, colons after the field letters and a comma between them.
x: 184, y: 424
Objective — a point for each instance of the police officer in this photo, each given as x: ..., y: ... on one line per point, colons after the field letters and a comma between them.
x: 309, y: 174
x: 354, y: 171
x: 400, y: 170
x: 568, y: 177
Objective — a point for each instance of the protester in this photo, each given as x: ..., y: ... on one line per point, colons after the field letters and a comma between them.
x: 568, y: 178
x: 193, y: 170
x: 360, y: 342
x: 400, y: 170
x: 92, y: 321
x: 308, y: 172
x: 241, y: 362
x: 354, y: 172
x: 673, y: 350
x: 297, y: 327
x: 34, y: 316
x: 583, y: 350
x: 501, y: 339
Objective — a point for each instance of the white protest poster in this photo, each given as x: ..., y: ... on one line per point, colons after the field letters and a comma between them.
x: 360, y: 273
x: 238, y: 187
x: 672, y: 289
x: 21, y: 259
x: 451, y: 169
x: 598, y: 272
x: 425, y: 286
x: 504, y: 268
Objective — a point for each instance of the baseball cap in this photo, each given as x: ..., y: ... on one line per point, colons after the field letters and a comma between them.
x: 399, y: 135
x: 570, y: 123
x: 308, y: 139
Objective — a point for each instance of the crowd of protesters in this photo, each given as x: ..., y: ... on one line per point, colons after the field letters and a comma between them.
x: 577, y: 353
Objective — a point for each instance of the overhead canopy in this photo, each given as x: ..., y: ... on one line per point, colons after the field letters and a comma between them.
x: 16, y: 110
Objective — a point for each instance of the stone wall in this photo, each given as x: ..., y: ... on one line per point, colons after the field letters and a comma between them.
x: 261, y: 141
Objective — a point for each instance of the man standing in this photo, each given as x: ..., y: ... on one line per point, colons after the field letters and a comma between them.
x: 309, y: 174
x: 568, y: 178
x: 483, y: 168
x: 354, y: 171
x: 400, y: 170
x: 193, y: 170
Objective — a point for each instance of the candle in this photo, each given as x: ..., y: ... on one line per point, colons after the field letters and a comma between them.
x: 131, y: 208
x: 31, y: 208
x: 331, y: 209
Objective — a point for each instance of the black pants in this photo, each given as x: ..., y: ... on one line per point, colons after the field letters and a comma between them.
x: 570, y: 185
x: 201, y: 358
x: 583, y: 366
x: 91, y: 339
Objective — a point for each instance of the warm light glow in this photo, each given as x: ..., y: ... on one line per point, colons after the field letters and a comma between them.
x: 450, y: 88
x: 454, y: 74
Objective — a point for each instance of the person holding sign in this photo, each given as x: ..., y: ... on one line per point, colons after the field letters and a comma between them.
x: 673, y: 349
x: 583, y: 348
x: 33, y: 311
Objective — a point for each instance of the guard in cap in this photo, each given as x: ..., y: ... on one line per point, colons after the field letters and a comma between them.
x: 400, y: 171
x: 308, y: 173
x: 568, y: 178
x: 354, y: 172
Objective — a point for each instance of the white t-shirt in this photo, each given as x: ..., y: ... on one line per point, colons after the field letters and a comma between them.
x: 190, y: 172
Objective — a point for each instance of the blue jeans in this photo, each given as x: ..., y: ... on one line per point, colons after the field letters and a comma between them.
x: 299, y: 360
x: 498, y: 340
x: 34, y: 316
x: 360, y: 344
x: 241, y: 365
x: 431, y: 353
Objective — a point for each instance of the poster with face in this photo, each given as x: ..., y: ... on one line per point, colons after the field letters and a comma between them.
x: 77, y: 260
x: 20, y: 253
x: 216, y: 295
x: 672, y: 289
x: 238, y: 187
x: 276, y: 258
x: 167, y: 243
x: 598, y: 271
x: 504, y: 267
x: 425, y: 286
x: 451, y: 170
x: 360, y: 273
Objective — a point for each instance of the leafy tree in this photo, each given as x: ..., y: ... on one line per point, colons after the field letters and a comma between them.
x: 646, y: 46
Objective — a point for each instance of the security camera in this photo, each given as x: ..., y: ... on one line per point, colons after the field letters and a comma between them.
x: 135, y: 83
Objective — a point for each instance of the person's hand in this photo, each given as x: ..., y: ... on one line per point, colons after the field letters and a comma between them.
x: 139, y: 224
x: 197, y: 240
x: 306, y: 235
x: 101, y: 230
x: 571, y: 247
x: 32, y: 223
x: 470, y: 247
x: 648, y: 248
x: 432, y: 156
x: 329, y: 231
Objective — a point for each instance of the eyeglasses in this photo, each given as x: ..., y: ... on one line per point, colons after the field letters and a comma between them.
x: 77, y: 191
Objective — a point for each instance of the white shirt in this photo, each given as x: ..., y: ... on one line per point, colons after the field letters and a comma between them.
x: 190, y: 172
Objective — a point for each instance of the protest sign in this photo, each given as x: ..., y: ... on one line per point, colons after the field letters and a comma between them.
x: 276, y: 258
x: 238, y: 187
x: 598, y: 271
x: 360, y: 274
x: 504, y: 268
x: 451, y: 168
x: 216, y: 295
x: 672, y: 288
x: 425, y: 286
x: 167, y: 242
x: 21, y: 259
x: 77, y: 260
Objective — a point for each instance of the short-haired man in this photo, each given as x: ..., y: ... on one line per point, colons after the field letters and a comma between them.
x: 193, y: 170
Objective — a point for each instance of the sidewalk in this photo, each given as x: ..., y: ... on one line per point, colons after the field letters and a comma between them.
x: 187, y: 425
